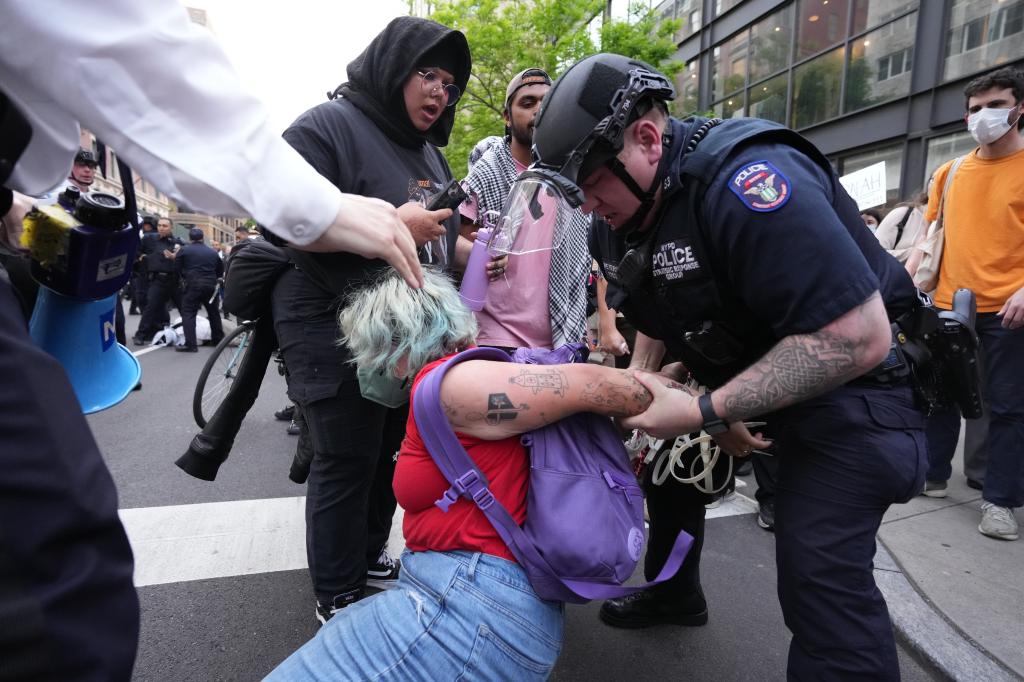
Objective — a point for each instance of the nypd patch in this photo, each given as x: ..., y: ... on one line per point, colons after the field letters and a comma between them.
x: 761, y: 186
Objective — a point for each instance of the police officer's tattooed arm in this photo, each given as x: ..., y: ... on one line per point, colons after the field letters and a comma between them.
x: 495, y: 400
x: 796, y: 368
x: 804, y: 365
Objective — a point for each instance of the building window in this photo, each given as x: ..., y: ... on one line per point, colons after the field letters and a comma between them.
x: 723, y: 6
x: 729, y: 66
x: 816, y: 89
x: 870, y: 13
x: 768, y: 99
x: 879, y: 66
x: 770, y: 46
x: 686, y: 10
x: 983, y: 34
x: 687, y: 91
x: 894, y: 64
x: 942, y: 149
x: 820, y: 24
x: 893, y: 158
x: 729, y: 108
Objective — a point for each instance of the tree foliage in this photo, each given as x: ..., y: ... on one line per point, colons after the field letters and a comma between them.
x: 506, y: 36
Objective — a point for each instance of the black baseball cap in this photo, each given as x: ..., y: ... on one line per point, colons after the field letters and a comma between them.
x: 85, y: 157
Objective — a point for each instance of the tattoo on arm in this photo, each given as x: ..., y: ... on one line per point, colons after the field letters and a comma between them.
x: 617, y: 399
x: 538, y: 380
x: 499, y: 409
x: 798, y: 367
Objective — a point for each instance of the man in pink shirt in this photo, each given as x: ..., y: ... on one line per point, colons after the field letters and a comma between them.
x: 540, y: 300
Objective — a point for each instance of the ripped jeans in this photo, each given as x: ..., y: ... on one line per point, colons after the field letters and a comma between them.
x: 453, y: 616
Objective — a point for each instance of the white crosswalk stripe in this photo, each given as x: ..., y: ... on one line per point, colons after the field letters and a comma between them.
x: 243, y: 537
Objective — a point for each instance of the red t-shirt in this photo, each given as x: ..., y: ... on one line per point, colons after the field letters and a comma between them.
x: 419, y: 483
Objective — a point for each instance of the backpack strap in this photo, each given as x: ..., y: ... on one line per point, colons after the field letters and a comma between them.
x: 454, y: 462
x: 901, y: 224
x: 469, y: 482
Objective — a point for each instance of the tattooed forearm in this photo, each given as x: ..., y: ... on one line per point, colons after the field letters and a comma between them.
x: 798, y: 367
x: 619, y: 395
x: 538, y: 379
x: 499, y: 409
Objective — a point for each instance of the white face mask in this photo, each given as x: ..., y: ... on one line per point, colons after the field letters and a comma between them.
x: 988, y: 125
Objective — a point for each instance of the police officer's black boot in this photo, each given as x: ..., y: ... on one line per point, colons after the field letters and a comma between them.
x: 672, y: 507
x: 655, y: 607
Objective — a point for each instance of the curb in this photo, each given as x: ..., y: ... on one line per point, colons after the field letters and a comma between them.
x: 939, y: 644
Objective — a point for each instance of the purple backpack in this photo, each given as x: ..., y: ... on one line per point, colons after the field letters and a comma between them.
x: 584, y: 529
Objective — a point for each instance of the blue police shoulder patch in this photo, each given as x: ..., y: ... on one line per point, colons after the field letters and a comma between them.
x: 761, y: 186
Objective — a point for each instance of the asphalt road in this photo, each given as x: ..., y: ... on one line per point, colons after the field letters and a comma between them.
x: 208, y: 614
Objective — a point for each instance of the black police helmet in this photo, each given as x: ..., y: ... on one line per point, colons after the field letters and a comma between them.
x: 84, y: 156
x: 591, y: 98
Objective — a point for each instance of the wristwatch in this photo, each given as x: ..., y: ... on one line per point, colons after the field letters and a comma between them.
x: 713, y: 424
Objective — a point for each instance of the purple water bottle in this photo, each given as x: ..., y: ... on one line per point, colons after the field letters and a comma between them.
x: 474, y: 282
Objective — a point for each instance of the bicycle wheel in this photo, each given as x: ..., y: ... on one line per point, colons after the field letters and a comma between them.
x: 219, y: 373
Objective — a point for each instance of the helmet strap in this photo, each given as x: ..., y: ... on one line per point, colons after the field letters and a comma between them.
x: 646, y: 197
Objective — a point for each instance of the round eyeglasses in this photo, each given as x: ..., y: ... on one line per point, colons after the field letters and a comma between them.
x: 432, y: 83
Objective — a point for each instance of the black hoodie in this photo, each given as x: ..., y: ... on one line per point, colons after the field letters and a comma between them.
x: 376, y: 77
x: 365, y: 143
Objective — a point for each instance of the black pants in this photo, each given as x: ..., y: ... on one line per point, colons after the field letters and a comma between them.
x: 672, y: 507
x: 844, y: 458
x: 198, y: 293
x: 68, y: 609
x: 163, y: 287
x: 140, y: 288
x: 350, y: 501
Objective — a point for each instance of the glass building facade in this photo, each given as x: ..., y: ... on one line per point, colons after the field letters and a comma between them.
x: 865, y: 80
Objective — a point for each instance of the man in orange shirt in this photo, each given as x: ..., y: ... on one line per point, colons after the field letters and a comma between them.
x: 984, y: 251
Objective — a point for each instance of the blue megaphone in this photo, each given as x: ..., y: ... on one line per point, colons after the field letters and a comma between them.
x: 81, y: 252
x: 80, y: 335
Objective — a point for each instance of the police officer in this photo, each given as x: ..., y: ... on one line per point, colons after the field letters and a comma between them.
x: 140, y: 278
x: 159, y: 252
x: 734, y: 245
x: 83, y: 171
x: 201, y: 267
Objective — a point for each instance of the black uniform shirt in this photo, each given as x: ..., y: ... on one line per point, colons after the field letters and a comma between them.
x: 781, y: 250
x: 199, y: 261
x: 152, y: 248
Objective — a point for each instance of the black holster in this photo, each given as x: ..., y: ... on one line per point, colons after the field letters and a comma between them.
x: 210, y: 447
x: 942, y: 347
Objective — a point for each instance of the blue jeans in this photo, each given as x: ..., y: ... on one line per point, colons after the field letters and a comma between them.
x: 453, y: 616
x: 1003, y: 386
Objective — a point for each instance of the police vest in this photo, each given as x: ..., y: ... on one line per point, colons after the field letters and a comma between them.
x: 686, y: 301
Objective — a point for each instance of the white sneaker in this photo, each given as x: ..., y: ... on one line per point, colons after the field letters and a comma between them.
x: 997, y: 522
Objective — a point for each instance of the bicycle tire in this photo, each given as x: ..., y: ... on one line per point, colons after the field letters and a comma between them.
x: 202, y: 407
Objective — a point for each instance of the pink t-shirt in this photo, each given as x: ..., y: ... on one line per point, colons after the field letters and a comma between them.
x: 516, y: 313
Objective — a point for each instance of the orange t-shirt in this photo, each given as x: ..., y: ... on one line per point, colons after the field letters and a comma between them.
x: 984, y: 242
x: 418, y: 483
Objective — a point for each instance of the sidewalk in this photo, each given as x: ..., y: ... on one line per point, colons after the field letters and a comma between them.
x: 956, y: 597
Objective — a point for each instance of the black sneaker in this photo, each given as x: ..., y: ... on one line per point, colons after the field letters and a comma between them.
x: 325, y: 613
x: 650, y: 607
x: 285, y: 415
x: 293, y: 429
x: 766, y: 516
x: 383, y: 573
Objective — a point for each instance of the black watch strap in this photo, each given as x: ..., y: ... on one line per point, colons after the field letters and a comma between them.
x: 713, y: 424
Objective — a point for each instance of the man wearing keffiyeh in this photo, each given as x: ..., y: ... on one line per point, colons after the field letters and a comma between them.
x: 541, y: 299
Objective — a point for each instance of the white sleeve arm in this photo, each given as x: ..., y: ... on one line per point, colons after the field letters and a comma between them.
x: 159, y: 90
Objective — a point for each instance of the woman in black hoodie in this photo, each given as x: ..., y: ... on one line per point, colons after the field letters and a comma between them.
x: 378, y: 136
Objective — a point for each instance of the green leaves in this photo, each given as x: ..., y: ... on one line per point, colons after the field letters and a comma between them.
x: 507, y: 36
